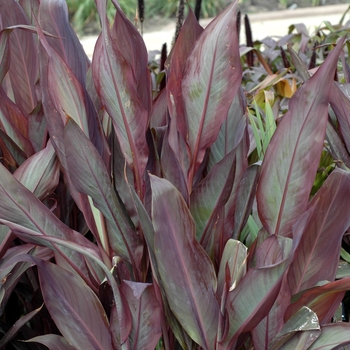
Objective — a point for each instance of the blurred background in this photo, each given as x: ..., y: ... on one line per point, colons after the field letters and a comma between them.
x: 84, y: 17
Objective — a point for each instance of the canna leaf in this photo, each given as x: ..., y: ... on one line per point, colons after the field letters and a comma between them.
x: 231, y: 132
x: 341, y: 104
x: 52, y: 341
x: 17, y: 326
x: 211, y: 80
x: 53, y: 18
x: 40, y: 173
x: 145, y: 312
x: 235, y: 201
x: 69, y: 97
x: 66, y: 296
x: 317, y: 256
x: 323, y: 300
x: 301, y: 340
x: 4, y: 53
x: 209, y: 197
x: 175, y: 65
x: 89, y: 175
x: 30, y: 219
x: 305, y: 320
x: 331, y: 336
x: 12, y: 153
x: 123, y: 312
x: 245, y: 196
x: 187, y: 283
x: 130, y: 44
x: 233, y: 258
x: 12, y: 268
x: 337, y: 147
x: 14, y: 123
x: 24, y: 57
x: 55, y: 113
x: 292, y: 157
x: 116, y: 85
x: 245, y: 306
x: 175, y: 68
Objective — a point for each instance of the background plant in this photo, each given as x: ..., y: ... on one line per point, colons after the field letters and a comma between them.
x: 127, y: 213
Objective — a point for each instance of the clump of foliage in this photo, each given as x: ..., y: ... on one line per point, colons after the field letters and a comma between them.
x: 189, y: 217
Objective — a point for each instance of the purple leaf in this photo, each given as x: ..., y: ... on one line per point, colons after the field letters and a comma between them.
x: 12, y: 268
x: 53, y: 18
x: 245, y: 198
x: 305, y: 320
x: 247, y: 306
x: 323, y: 300
x: 17, y: 326
x: 89, y: 175
x: 317, y: 256
x: 74, y: 307
x: 341, y: 104
x: 172, y: 169
x: 233, y: 258
x: 211, y: 80
x: 24, y: 60
x: 159, y: 110
x: 301, y: 340
x: 331, y: 336
x: 292, y: 157
x: 4, y: 53
x: 66, y: 72
x: 69, y: 97
x: 235, y: 201
x: 56, y: 118
x: 231, y: 132
x: 40, y: 173
x: 14, y: 123
x: 145, y: 312
x: 12, y: 153
x: 130, y: 44
x: 52, y: 341
x: 175, y: 67
x: 187, y: 283
x: 116, y: 85
x: 30, y: 219
x: 209, y: 197
x: 337, y: 147
x: 31, y: 8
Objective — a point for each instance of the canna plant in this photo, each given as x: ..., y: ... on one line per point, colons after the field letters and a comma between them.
x: 127, y: 212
